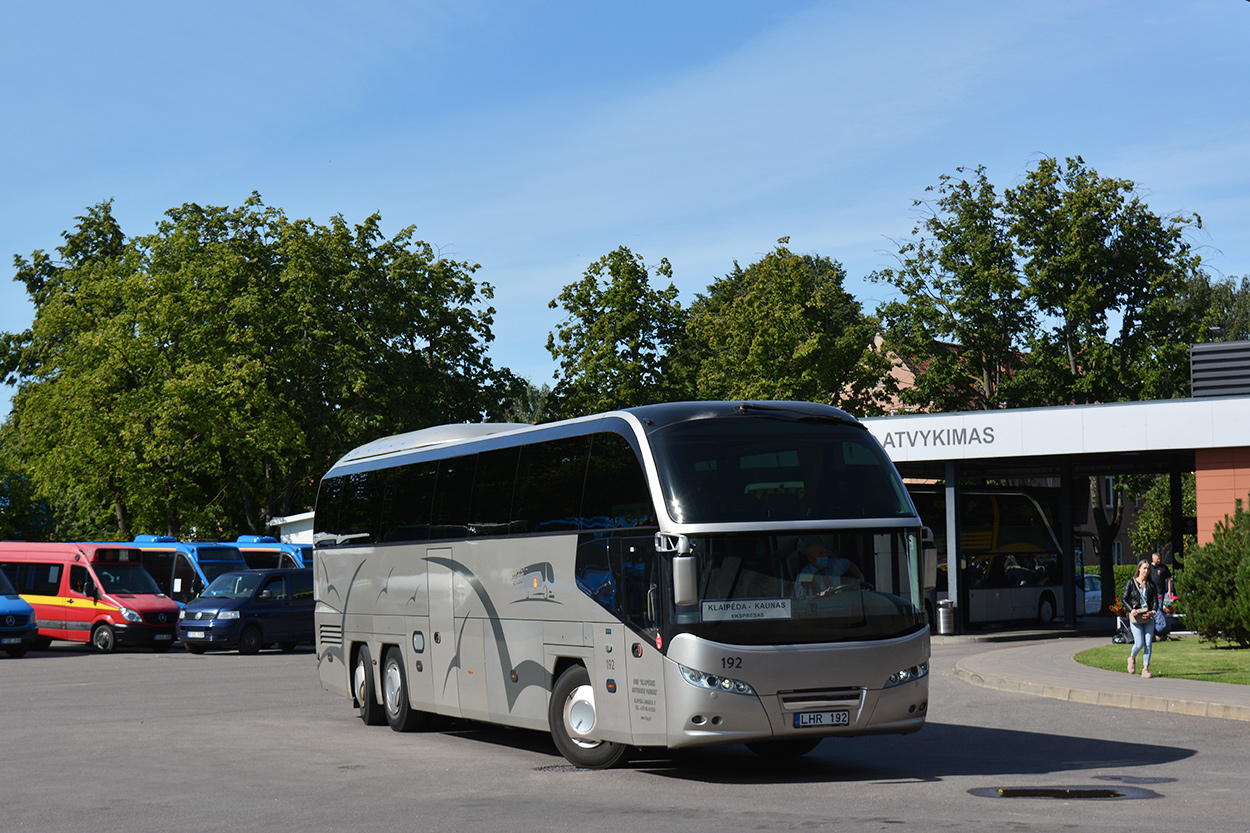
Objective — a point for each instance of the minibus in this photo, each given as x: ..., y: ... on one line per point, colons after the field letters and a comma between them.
x: 96, y: 593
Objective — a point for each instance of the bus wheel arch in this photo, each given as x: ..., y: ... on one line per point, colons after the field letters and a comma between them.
x: 363, y: 690
x: 103, y: 638
x: 572, y: 718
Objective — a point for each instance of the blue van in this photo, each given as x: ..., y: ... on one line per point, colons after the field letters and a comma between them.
x: 19, y: 627
x: 182, y: 569
x: 249, y: 609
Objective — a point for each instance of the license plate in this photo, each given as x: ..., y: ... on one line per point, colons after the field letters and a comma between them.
x: 161, y: 636
x: 11, y: 640
x: 195, y: 635
x: 812, y: 720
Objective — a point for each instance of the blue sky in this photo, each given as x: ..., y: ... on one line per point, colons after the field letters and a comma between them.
x: 534, y: 137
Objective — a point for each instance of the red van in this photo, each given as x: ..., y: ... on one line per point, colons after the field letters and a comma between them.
x: 95, y: 593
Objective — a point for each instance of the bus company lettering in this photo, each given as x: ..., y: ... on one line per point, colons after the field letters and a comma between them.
x: 737, y: 610
x: 643, y: 695
x: 944, y: 437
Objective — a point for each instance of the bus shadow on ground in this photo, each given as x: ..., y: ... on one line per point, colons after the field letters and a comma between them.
x: 939, y: 751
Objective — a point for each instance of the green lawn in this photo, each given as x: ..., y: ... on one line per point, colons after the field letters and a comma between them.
x: 1185, y: 658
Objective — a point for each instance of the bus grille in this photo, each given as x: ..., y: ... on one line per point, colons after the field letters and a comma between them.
x: 13, y: 620
x: 161, y: 618
x: 833, y: 698
x: 331, y: 635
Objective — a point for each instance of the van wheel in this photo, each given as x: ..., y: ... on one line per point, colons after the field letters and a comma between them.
x: 42, y: 644
x: 103, y: 639
x: 574, y: 723
x: 196, y: 649
x: 1046, y: 609
x: 250, y: 641
x: 399, y: 712
x: 362, y: 687
x: 17, y: 652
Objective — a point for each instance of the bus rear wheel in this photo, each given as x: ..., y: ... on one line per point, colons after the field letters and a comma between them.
x: 574, y: 723
x: 1046, y: 609
x: 362, y: 688
x: 400, y: 714
x: 103, y: 639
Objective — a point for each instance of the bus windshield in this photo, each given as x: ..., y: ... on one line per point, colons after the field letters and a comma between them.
x: 126, y: 578
x: 217, y: 560
x: 749, y: 469
x: 825, y: 586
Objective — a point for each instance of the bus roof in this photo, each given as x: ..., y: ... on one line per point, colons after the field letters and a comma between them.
x: 651, y: 416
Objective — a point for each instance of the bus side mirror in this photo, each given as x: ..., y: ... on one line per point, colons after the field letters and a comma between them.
x: 685, y: 580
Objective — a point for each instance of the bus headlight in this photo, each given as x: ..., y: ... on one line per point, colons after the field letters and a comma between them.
x: 130, y: 615
x: 227, y: 614
x: 715, y: 682
x: 907, y: 675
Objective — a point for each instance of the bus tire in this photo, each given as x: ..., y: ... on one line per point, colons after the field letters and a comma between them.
x: 367, y: 705
x: 400, y: 714
x: 573, y: 720
x: 250, y: 641
x: 15, y: 652
x: 103, y: 639
x: 1046, y: 609
x: 789, y: 748
x: 42, y: 643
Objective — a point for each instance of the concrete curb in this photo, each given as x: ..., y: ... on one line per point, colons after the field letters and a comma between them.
x: 973, y: 670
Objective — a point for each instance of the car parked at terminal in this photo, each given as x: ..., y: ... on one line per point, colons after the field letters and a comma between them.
x: 249, y: 609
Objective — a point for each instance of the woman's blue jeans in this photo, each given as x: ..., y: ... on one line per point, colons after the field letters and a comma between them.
x: 1143, y: 639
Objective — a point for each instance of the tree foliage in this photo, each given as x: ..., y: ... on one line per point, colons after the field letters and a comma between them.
x: 1214, y: 587
x: 616, y: 345
x: 964, y: 318
x: 785, y: 328
x: 205, y: 375
x: 1062, y: 292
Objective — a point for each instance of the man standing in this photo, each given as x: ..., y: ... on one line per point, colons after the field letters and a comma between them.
x: 1161, y: 578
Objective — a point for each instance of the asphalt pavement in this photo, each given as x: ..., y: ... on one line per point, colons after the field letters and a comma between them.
x: 1043, y: 663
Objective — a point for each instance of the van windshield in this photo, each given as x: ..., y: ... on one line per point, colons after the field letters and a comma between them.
x: 232, y: 586
x: 6, y: 586
x: 126, y: 578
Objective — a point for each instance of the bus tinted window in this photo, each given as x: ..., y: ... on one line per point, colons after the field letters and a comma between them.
x: 750, y: 469
x: 409, y: 496
x: 358, y: 518
x: 549, y: 485
x: 451, y: 496
x: 616, y: 492
x: 491, y: 502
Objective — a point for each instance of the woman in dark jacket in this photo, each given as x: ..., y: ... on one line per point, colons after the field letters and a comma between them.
x: 1140, y: 599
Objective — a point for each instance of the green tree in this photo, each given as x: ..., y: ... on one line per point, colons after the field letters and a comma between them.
x: 1103, y: 272
x: 1152, y: 528
x: 1213, y: 586
x: 1221, y: 308
x: 616, y: 344
x: 205, y: 375
x: 963, y: 316
x: 785, y: 328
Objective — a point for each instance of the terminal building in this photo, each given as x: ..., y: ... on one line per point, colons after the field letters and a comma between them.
x: 1208, y: 434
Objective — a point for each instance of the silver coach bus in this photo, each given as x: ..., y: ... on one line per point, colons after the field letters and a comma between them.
x: 636, y: 578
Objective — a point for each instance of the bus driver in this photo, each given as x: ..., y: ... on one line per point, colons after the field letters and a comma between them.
x: 823, y: 575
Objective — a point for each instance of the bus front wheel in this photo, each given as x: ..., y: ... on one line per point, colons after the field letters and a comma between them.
x: 400, y: 714
x: 103, y: 639
x: 574, y: 723
x: 362, y: 687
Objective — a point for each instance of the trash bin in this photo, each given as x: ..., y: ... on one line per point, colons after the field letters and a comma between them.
x: 946, y: 617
